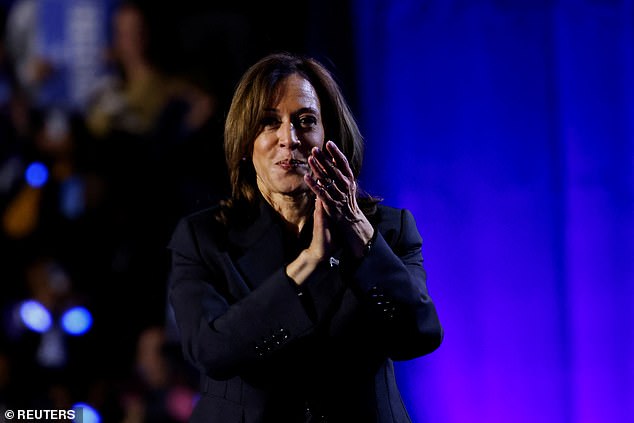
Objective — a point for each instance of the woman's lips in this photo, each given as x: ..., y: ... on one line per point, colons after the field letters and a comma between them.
x: 288, y: 164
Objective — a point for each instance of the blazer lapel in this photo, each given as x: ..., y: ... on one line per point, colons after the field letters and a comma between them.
x: 257, y: 247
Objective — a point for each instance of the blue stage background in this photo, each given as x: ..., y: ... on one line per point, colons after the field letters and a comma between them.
x: 507, y: 127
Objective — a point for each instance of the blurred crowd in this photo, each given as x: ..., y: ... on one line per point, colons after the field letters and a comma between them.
x: 103, y: 147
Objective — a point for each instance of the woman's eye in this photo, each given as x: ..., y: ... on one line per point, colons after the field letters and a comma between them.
x: 269, y: 122
x: 307, y: 121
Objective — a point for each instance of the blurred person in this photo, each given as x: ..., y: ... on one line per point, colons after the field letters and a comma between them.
x: 137, y: 134
x: 66, y: 191
x: 132, y: 98
x: 21, y: 44
x: 193, y: 172
x: 294, y: 297
x: 12, y: 112
x: 159, y: 394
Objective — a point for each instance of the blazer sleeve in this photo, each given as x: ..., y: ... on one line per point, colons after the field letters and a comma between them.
x: 223, y: 338
x: 392, y: 284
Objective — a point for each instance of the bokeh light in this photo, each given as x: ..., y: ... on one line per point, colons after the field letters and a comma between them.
x: 76, y: 321
x: 36, y: 174
x: 35, y: 316
x: 84, y: 413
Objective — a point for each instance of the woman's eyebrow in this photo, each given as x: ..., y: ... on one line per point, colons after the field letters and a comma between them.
x: 306, y: 110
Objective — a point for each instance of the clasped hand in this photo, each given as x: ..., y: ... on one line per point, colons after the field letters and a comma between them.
x: 335, y: 187
x: 337, y: 216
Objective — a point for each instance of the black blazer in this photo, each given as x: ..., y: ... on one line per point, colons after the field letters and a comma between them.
x: 270, y: 352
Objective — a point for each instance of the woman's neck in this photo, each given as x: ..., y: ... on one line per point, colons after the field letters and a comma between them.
x: 294, y: 209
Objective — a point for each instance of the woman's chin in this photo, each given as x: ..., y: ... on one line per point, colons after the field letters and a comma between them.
x: 294, y: 190
x: 293, y: 185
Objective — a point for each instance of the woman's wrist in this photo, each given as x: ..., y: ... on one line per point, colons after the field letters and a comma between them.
x: 368, y: 245
x: 300, y: 269
x: 362, y: 237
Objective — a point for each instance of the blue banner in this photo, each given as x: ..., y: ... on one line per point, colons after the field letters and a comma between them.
x: 71, y: 36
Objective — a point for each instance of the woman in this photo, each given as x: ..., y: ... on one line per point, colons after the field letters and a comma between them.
x: 294, y: 297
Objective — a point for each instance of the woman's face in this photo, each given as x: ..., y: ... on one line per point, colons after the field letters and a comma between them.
x: 290, y: 129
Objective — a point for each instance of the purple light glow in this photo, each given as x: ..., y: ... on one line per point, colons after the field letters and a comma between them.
x: 507, y: 130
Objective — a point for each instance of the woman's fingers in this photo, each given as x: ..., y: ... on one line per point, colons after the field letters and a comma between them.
x: 326, y: 164
x: 325, y: 169
x: 318, y: 218
x: 316, y: 168
x: 333, y: 183
x: 333, y: 163
x: 322, y: 241
x: 340, y: 160
x: 320, y: 191
x: 325, y: 180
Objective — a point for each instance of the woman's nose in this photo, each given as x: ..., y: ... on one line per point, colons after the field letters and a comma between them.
x: 288, y: 136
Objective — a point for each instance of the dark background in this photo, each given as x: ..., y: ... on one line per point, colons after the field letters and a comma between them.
x: 111, y: 256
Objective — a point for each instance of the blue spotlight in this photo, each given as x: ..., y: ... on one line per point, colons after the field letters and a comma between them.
x: 35, y: 316
x: 36, y: 174
x: 85, y: 413
x: 76, y: 321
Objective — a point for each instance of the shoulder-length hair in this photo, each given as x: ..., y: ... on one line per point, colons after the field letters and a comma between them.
x: 254, y: 93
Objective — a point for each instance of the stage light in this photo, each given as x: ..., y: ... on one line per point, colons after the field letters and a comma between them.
x: 76, y: 321
x: 85, y: 413
x: 35, y: 316
x: 36, y: 174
